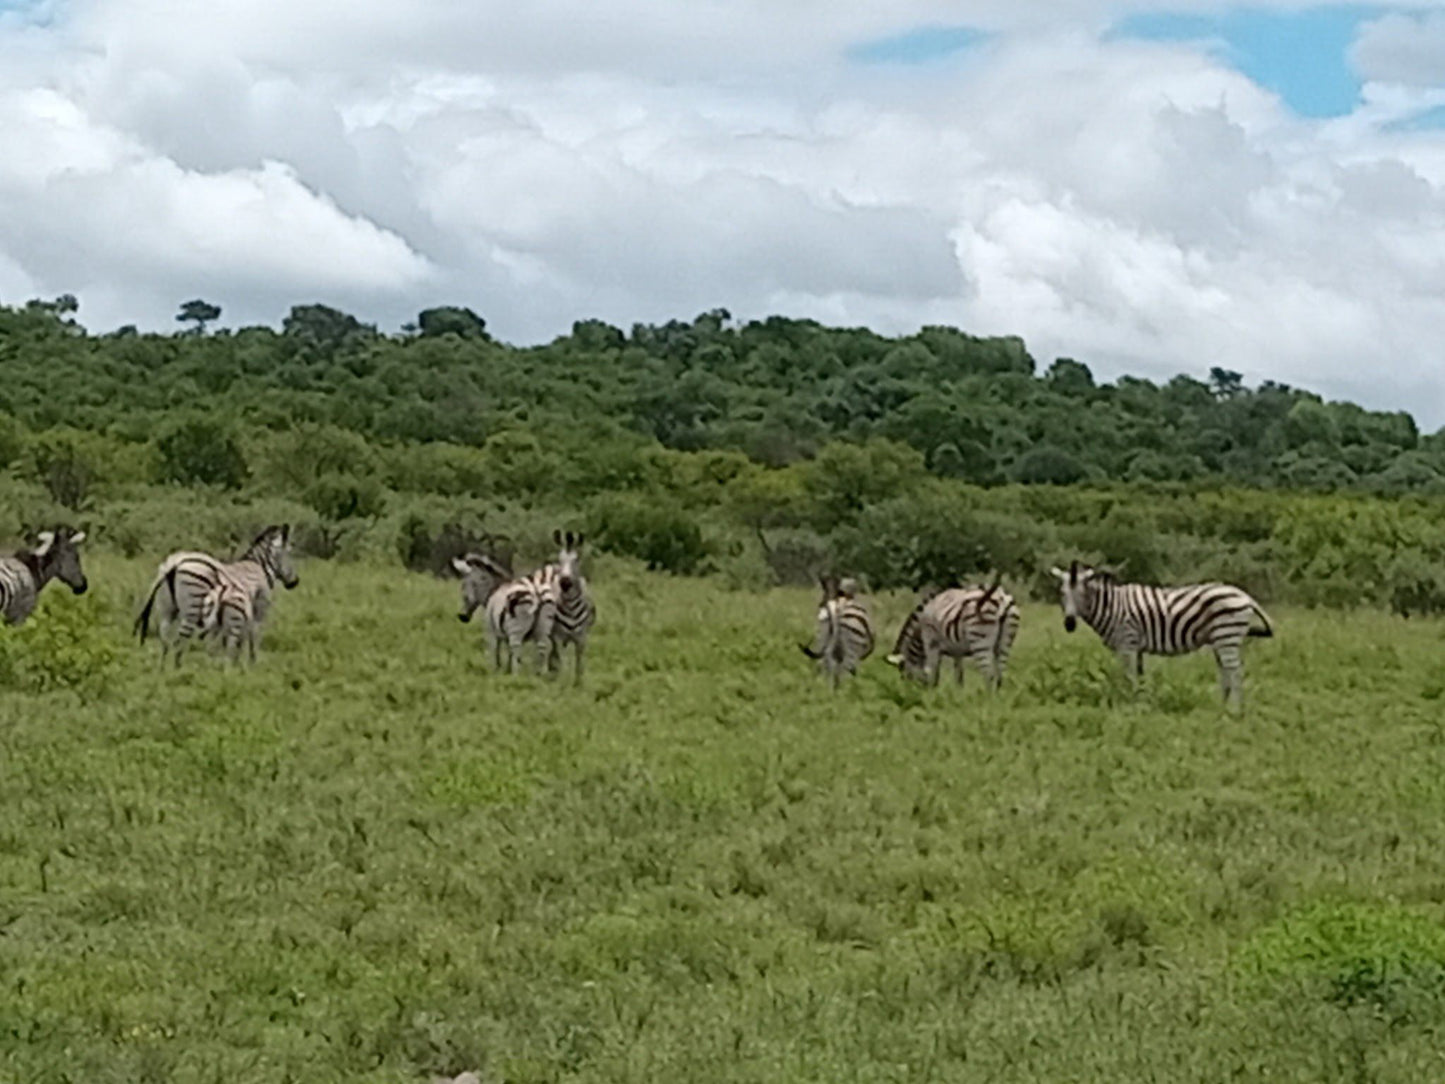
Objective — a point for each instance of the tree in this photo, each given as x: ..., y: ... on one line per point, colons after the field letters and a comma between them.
x: 1048, y: 465
x: 201, y: 450
x: 200, y: 313
x: 1225, y: 383
x: 451, y: 320
x: 1070, y: 377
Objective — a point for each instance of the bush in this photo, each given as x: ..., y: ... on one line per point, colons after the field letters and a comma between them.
x: 204, y: 451
x: 62, y: 646
x: 424, y: 549
x: 658, y: 532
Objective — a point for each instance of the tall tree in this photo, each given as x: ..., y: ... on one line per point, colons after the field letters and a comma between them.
x: 199, y: 313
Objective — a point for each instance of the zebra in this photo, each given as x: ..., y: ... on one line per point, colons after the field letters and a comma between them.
x: 186, y: 581
x: 1135, y: 620
x: 24, y: 575
x: 976, y: 623
x: 573, y: 610
x: 517, y: 610
x: 228, y: 612
x: 845, y: 631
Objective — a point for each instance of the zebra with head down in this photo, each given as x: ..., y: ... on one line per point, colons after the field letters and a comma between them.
x: 974, y: 623
x: 517, y: 610
x: 845, y: 629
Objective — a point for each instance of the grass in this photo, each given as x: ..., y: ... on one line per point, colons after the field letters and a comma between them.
x: 370, y: 859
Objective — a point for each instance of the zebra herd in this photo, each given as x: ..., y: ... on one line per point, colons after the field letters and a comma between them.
x: 979, y: 624
x: 195, y: 596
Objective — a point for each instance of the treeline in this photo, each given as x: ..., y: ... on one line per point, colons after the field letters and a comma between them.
x: 763, y: 451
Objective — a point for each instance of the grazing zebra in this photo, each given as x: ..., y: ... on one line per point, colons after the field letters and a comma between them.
x: 228, y: 612
x: 24, y: 575
x: 573, y: 611
x: 977, y: 623
x: 1135, y: 620
x: 517, y: 610
x: 845, y: 631
x: 186, y: 581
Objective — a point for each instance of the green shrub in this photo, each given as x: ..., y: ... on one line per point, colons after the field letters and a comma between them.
x: 202, y: 451
x: 656, y: 531
x: 63, y: 645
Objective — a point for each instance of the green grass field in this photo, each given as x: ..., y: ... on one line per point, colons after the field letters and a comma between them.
x: 371, y: 859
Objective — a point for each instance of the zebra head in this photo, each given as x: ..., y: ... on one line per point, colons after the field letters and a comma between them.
x: 1075, y: 586
x: 481, y: 576
x: 56, y: 556
x: 569, y: 556
x: 273, y: 549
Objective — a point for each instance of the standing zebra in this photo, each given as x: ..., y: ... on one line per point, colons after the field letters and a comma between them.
x: 229, y: 613
x: 24, y: 575
x: 1135, y: 620
x: 574, y: 612
x: 517, y: 610
x: 977, y: 623
x: 186, y: 580
x: 845, y: 631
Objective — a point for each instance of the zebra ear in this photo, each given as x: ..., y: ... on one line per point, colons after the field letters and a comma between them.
x: 77, y: 538
x: 577, y: 542
x: 461, y: 566
x: 46, y: 540
x: 557, y: 538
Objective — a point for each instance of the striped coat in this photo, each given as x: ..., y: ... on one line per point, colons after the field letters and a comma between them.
x: 187, y: 581
x: 24, y: 575
x: 573, y: 609
x: 517, y: 610
x: 1136, y: 619
x: 845, y: 631
x: 229, y: 614
x: 974, y: 623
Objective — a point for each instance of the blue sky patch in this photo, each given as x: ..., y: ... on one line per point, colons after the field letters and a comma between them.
x: 1427, y: 120
x: 918, y: 46
x: 1303, y: 56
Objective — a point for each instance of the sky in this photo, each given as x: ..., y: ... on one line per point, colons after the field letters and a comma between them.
x: 1149, y: 188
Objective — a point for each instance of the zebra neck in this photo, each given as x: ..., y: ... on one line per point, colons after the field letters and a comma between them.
x: 41, y: 570
x: 262, y: 560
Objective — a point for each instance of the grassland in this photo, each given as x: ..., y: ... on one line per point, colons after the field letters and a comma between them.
x: 370, y: 859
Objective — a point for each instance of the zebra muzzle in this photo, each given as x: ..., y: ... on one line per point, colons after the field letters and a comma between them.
x: 464, y: 618
x: 1070, y: 623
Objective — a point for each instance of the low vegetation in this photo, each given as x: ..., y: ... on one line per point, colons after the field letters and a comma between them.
x: 370, y: 859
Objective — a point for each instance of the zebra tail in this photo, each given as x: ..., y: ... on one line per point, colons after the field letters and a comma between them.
x: 142, y: 623
x: 1268, y: 629
x: 808, y: 651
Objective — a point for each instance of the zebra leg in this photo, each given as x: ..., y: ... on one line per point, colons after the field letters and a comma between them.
x: 1129, y: 656
x: 958, y: 670
x: 1231, y: 674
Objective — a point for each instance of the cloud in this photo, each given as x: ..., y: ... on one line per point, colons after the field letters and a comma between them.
x: 1146, y: 206
x: 1402, y: 48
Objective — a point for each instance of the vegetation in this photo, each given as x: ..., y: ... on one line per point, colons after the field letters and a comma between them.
x: 764, y: 451
x: 371, y: 860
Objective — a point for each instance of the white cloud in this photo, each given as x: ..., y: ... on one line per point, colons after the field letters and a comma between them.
x: 1402, y: 48
x: 1138, y: 206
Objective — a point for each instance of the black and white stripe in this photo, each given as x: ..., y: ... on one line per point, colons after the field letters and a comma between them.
x: 229, y: 614
x: 24, y: 575
x: 574, y: 612
x: 1135, y: 620
x: 845, y: 630
x: 517, y: 610
x: 974, y: 623
x: 186, y: 584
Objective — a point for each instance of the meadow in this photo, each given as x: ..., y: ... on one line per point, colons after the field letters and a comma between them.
x: 371, y: 859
